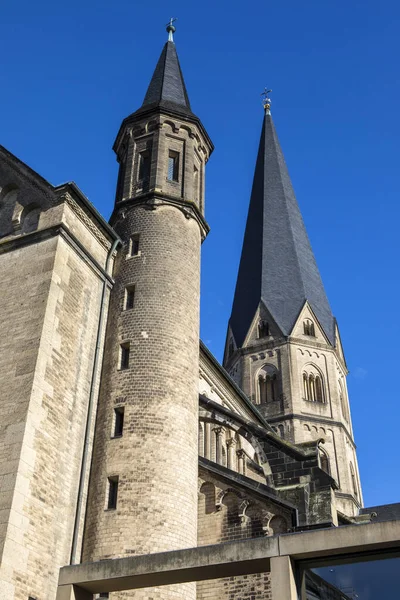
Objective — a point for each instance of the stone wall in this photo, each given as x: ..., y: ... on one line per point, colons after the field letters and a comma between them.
x: 227, y: 513
x: 50, y: 288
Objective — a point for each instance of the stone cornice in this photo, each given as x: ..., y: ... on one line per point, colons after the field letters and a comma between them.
x: 153, y: 200
x: 261, y: 433
x: 324, y: 420
x: 61, y: 230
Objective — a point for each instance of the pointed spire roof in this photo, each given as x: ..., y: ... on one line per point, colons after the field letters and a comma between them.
x: 167, y: 87
x: 277, y: 264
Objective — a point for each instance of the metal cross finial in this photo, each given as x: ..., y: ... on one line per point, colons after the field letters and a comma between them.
x: 171, y: 29
x: 266, y: 101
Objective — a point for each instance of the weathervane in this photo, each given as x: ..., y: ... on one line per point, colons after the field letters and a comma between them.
x: 266, y: 101
x: 171, y: 29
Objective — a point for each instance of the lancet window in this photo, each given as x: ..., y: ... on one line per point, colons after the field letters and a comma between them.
x: 263, y: 329
x: 343, y: 404
x: 308, y: 328
x: 267, y: 385
x: 313, y: 386
x: 353, y: 480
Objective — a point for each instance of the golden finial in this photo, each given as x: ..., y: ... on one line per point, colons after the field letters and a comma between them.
x: 266, y: 101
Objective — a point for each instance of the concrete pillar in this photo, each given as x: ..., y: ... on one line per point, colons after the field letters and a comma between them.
x: 283, y: 585
x: 72, y: 592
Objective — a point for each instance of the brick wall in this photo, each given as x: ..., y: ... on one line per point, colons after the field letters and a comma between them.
x: 228, y: 513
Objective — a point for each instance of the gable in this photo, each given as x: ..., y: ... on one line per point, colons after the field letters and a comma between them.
x: 215, y: 384
x: 263, y: 327
x: 23, y: 196
x: 308, y: 328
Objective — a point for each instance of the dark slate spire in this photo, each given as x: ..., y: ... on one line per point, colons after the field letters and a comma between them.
x: 167, y: 87
x: 277, y: 264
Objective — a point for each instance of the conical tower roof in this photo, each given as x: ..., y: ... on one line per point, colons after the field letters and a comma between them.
x: 167, y: 87
x: 277, y: 264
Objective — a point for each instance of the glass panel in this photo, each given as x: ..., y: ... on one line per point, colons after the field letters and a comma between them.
x: 368, y: 580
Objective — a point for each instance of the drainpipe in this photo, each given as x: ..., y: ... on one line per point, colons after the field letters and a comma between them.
x: 96, y: 359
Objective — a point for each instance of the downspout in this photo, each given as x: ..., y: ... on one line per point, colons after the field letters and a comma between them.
x: 96, y: 359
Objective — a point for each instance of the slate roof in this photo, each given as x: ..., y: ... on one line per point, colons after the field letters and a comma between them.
x: 277, y: 264
x: 167, y: 87
x: 385, y: 512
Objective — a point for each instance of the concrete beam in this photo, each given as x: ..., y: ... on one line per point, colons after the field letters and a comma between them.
x: 226, y: 560
x: 341, y: 540
x: 179, y: 566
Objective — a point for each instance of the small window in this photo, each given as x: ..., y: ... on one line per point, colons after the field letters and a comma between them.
x: 129, y: 297
x: 196, y: 182
x: 119, y: 414
x: 112, y: 492
x: 134, y: 245
x: 231, y: 348
x: 124, y: 356
x: 308, y: 327
x: 144, y: 166
x: 353, y: 480
x: 173, y: 166
x: 263, y: 329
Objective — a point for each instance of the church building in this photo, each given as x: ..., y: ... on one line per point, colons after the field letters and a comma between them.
x: 121, y: 435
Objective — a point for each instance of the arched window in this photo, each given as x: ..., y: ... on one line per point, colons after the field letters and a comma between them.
x: 308, y: 328
x: 30, y: 218
x: 343, y: 404
x: 306, y: 389
x: 231, y: 348
x: 324, y: 461
x: 319, y: 394
x: 281, y: 431
x: 277, y: 525
x: 263, y: 329
x: 353, y: 480
x: 313, y: 385
x: 267, y: 385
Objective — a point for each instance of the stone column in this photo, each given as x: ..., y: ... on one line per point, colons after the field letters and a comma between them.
x: 231, y: 444
x: 219, y: 432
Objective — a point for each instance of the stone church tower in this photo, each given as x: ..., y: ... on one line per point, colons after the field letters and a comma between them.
x: 283, y: 345
x: 120, y: 433
x: 145, y: 448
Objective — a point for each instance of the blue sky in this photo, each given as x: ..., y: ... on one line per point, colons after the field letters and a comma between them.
x: 70, y: 72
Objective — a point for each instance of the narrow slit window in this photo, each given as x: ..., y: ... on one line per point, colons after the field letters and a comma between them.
x: 129, y: 297
x: 196, y: 182
x: 112, y: 493
x: 134, y: 245
x: 173, y: 166
x: 119, y: 414
x: 144, y: 166
x: 124, y: 356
